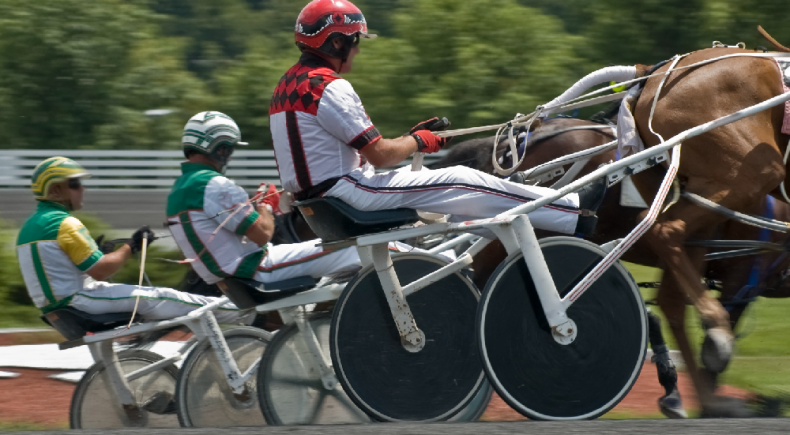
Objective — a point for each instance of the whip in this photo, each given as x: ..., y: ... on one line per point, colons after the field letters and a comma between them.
x: 140, y: 282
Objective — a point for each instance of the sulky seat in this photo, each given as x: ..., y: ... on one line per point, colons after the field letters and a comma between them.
x: 332, y: 219
x: 74, y: 324
x: 248, y: 293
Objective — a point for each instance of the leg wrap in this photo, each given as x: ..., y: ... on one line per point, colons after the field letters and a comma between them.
x: 667, y: 375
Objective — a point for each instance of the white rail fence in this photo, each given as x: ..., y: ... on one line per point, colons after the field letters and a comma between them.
x: 142, y: 168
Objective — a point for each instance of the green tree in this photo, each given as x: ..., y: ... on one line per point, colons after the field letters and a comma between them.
x: 216, y: 31
x: 155, y: 79
x: 246, y: 87
x: 56, y: 61
x: 474, y: 62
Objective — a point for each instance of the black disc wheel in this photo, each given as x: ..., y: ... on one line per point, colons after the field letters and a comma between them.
x: 204, y: 398
x: 532, y: 372
x: 290, y: 389
x: 385, y: 380
x: 94, y: 404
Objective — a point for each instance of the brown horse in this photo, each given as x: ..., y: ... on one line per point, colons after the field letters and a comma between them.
x: 735, y: 166
x: 736, y: 274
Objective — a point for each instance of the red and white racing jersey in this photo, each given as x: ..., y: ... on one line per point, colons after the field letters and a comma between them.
x: 318, y: 126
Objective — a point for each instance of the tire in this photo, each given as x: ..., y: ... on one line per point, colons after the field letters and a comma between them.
x: 93, y: 405
x: 541, y: 378
x: 378, y: 374
x: 204, y: 398
x: 477, y: 406
x: 290, y: 390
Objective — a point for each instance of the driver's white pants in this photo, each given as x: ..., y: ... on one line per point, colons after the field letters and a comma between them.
x: 299, y: 259
x: 464, y: 193
x: 156, y: 303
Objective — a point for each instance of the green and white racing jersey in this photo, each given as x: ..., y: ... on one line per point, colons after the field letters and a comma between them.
x: 200, y: 201
x: 55, y: 251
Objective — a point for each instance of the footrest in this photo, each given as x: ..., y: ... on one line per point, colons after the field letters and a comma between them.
x: 74, y: 324
x: 248, y: 293
x: 332, y: 219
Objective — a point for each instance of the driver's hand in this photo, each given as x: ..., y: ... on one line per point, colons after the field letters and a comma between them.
x: 136, y: 242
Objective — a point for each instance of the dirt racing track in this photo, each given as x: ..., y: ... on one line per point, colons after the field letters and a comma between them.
x: 666, y: 427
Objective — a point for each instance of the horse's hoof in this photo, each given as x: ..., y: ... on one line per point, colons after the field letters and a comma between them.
x: 726, y: 407
x: 717, y: 349
x: 671, y: 405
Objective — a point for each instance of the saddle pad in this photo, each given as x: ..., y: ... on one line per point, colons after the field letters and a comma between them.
x: 784, y: 68
x: 629, y: 196
x: 628, y: 140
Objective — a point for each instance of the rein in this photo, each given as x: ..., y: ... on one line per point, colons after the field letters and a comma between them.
x: 538, y: 139
x: 589, y: 99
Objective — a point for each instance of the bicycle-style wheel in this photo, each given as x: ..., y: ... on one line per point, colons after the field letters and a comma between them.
x: 289, y: 383
x: 94, y: 404
x: 477, y: 406
x: 536, y: 375
x: 204, y: 398
x: 291, y: 392
x: 385, y: 380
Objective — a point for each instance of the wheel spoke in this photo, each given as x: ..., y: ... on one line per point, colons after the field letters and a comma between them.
x: 317, y: 408
x: 341, y: 397
x: 302, y: 382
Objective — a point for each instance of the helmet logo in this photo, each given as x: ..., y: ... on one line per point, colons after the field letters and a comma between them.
x: 338, y: 18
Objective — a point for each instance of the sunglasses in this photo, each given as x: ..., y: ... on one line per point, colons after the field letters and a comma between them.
x: 74, y: 183
x: 356, y: 40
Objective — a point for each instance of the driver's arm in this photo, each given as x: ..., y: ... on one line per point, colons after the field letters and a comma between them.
x: 262, y: 230
x: 74, y: 239
x: 110, y: 263
x: 221, y: 200
x: 384, y: 153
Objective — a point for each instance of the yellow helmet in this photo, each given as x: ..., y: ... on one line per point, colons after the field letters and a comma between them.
x: 53, y: 170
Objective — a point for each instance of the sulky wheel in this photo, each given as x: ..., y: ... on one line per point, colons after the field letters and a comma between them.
x: 384, y: 379
x: 541, y: 378
x: 93, y: 405
x: 204, y: 398
x: 477, y: 406
x: 290, y: 390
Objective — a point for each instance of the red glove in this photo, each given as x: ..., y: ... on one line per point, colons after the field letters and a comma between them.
x: 269, y: 196
x: 428, y: 142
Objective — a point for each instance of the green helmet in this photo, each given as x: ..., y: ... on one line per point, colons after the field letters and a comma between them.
x: 53, y: 170
x: 207, y: 132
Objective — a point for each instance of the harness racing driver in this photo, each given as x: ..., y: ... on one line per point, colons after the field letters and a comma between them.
x: 63, y: 266
x: 215, y: 224
x: 326, y: 145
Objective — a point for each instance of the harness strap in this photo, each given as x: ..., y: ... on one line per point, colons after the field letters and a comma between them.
x: 317, y: 190
x: 782, y: 185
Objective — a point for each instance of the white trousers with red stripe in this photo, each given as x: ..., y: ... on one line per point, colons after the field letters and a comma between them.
x: 464, y: 193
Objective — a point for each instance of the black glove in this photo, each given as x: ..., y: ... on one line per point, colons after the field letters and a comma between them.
x: 105, y: 247
x: 433, y: 124
x: 136, y: 242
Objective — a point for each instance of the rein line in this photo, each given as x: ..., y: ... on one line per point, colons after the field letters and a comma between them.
x: 538, y: 139
x: 524, y: 119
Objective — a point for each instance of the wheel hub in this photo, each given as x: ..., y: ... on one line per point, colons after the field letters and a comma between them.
x: 565, y: 334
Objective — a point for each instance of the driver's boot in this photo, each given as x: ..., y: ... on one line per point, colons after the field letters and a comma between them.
x: 590, y: 198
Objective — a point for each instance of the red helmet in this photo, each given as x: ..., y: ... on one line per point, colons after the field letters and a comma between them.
x: 321, y: 18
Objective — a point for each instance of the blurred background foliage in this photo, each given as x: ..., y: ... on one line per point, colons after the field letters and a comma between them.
x: 77, y: 74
